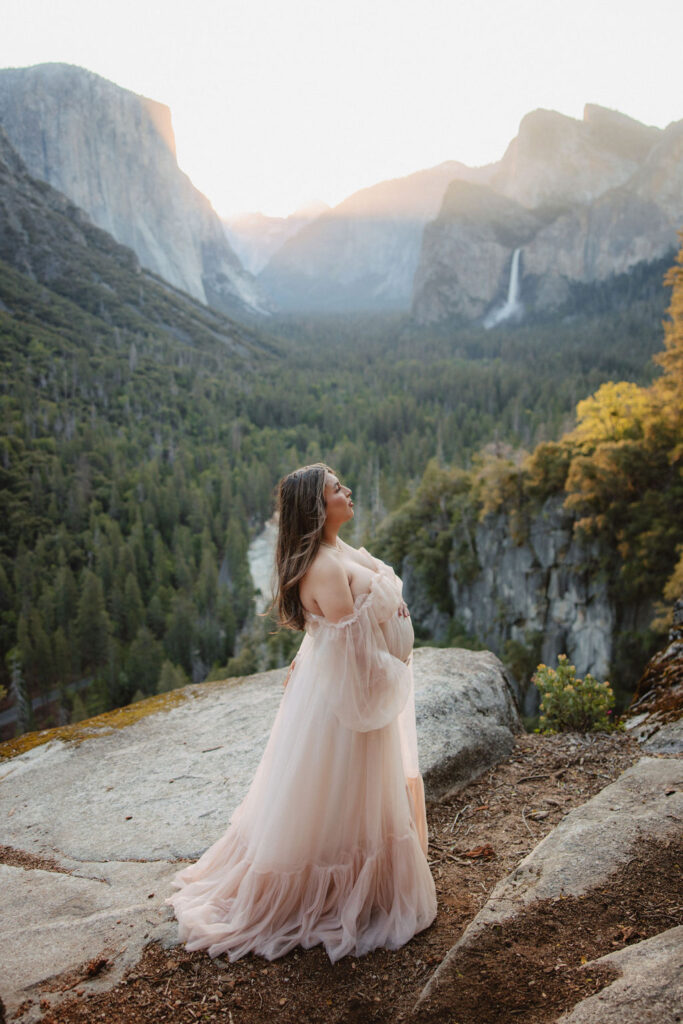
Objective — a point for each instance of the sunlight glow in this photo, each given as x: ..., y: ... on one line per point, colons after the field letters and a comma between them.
x: 279, y: 102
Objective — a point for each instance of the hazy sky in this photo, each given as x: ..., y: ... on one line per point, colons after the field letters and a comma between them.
x: 278, y: 102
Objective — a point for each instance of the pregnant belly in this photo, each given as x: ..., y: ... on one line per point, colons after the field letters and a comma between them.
x: 399, y: 635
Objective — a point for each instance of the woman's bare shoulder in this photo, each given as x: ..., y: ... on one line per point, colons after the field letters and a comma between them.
x: 325, y: 565
x: 326, y: 569
x: 325, y: 587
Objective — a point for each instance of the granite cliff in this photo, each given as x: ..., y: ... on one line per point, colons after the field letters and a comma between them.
x: 581, y: 200
x: 112, y: 153
x: 528, y: 598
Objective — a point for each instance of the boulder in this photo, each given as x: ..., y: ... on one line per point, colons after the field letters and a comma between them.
x: 93, y: 830
x: 466, y: 716
x: 666, y: 739
x: 648, y: 991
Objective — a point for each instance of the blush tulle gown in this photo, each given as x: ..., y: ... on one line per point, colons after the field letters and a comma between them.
x: 329, y: 845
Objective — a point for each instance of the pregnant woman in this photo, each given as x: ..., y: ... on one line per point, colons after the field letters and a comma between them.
x: 329, y: 845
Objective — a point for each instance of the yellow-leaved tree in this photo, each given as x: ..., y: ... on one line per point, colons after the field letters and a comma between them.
x: 669, y: 389
x: 623, y: 468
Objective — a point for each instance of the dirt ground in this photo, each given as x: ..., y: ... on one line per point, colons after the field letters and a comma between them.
x: 530, y: 971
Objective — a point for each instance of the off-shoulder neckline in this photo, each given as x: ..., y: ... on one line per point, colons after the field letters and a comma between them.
x: 358, y: 602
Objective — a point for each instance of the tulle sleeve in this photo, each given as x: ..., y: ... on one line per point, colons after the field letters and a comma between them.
x: 365, y: 675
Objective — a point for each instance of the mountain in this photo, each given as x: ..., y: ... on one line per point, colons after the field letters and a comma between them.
x: 49, y: 241
x: 465, y: 251
x: 255, y: 237
x: 123, y: 404
x: 583, y: 201
x: 362, y: 254
x: 555, y: 159
x: 112, y: 153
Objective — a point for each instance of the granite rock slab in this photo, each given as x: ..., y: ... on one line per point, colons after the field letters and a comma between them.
x: 119, y: 812
x: 583, y: 851
x: 648, y: 991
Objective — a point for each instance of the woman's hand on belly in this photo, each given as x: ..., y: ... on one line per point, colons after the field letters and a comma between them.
x: 399, y: 635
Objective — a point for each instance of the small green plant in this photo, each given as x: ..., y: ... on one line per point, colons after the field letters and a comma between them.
x: 570, y: 704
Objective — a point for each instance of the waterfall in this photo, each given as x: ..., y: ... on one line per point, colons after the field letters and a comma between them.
x: 513, y: 287
x: 512, y: 307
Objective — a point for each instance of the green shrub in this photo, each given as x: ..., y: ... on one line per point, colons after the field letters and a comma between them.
x: 571, y: 704
x: 521, y: 657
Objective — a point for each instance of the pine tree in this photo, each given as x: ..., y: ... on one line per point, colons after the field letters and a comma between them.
x: 143, y: 663
x: 62, y: 656
x: 171, y: 677
x: 179, y: 636
x: 79, y: 711
x: 97, y: 698
x: 207, y: 581
x: 42, y: 649
x: 671, y: 359
x: 92, y: 623
x: 156, y: 616
x: 133, y: 610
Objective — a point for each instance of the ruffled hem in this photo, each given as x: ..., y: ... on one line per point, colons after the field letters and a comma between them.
x: 227, y: 905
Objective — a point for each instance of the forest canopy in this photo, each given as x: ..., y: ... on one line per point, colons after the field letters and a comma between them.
x: 138, y: 461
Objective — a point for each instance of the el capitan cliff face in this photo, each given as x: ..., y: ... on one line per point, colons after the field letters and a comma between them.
x: 112, y: 153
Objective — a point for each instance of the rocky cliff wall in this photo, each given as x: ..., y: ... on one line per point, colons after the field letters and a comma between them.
x: 544, y: 594
x: 112, y: 153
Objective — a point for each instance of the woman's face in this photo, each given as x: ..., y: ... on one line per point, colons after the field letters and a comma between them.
x: 338, y: 504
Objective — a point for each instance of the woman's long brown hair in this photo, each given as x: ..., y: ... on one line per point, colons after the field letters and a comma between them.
x: 301, y: 518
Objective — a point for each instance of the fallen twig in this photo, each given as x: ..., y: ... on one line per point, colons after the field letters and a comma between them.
x: 460, y: 812
x: 531, y: 833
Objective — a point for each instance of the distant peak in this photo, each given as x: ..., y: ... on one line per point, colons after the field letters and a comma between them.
x: 544, y: 115
x: 594, y: 114
x: 311, y: 209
